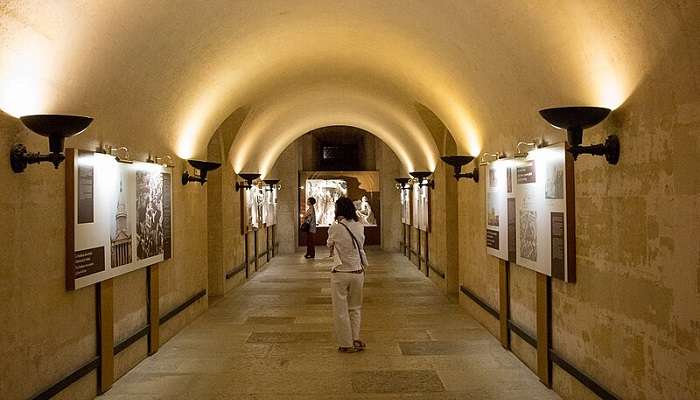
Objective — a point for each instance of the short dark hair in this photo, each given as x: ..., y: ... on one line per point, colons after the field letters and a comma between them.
x: 311, y: 201
x: 344, y: 207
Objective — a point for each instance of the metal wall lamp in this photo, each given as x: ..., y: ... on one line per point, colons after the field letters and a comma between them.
x: 575, y: 120
x: 166, y: 160
x: 402, y: 183
x: 486, y: 158
x: 204, y: 167
x: 520, y: 153
x: 272, y: 184
x: 457, y: 162
x: 54, y: 126
x: 422, y: 178
x: 248, y: 178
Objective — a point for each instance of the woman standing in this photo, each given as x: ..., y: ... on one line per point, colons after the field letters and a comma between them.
x: 346, y: 238
x: 310, y: 218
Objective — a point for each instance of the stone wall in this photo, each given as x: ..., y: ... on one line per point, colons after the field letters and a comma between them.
x: 630, y: 321
x: 49, y: 332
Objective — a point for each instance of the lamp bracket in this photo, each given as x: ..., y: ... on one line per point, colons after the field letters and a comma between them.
x: 610, y: 149
x: 20, y: 157
x: 470, y: 175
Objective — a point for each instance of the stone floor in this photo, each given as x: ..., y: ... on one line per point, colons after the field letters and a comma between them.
x: 272, y: 339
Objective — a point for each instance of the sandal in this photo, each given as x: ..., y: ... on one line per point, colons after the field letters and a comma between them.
x: 359, y: 344
x: 348, y: 349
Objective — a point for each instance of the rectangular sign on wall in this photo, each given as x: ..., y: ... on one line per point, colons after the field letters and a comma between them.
x: 421, y: 207
x: 500, y: 210
x: 544, y: 212
x: 406, y: 206
x: 119, y: 217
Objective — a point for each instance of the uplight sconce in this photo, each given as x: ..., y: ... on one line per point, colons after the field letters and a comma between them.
x: 272, y: 184
x: 575, y: 120
x: 204, y: 167
x: 248, y: 178
x: 421, y: 177
x: 57, y: 128
x: 486, y: 158
x: 402, y: 183
x: 457, y: 162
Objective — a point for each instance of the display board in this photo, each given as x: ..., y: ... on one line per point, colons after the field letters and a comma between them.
x: 500, y: 210
x: 406, y: 206
x: 119, y: 216
x: 545, y: 228
x: 253, y: 205
x: 362, y: 187
x: 421, y: 207
x: 269, y: 214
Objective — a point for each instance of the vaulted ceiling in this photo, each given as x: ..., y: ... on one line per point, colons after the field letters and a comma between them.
x: 174, y: 70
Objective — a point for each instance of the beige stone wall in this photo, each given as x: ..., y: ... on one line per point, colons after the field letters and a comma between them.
x: 49, y: 332
x: 389, y: 168
x: 631, y: 320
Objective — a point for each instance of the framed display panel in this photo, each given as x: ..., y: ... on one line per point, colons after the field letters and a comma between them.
x: 500, y: 210
x: 253, y: 200
x: 421, y: 207
x: 406, y: 206
x: 327, y: 186
x: 269, y: 209
x: 545, y: 216
x: 119, y: 217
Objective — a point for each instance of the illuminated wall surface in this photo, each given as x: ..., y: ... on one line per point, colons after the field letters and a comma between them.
x: 162, y: 77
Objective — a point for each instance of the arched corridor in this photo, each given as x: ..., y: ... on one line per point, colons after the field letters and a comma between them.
x: 272, y: 339
x: 524, y: 172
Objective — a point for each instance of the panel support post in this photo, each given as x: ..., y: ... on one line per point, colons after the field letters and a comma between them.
x: 504, y: 301
x: 255, y: 248
x: 427, y: 255
x: 105, y: 330
x: 153, y: 309
x: 544, y: 329
x: 418, y: 247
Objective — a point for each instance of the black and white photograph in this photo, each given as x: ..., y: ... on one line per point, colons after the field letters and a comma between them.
x: 121, y: 235
x: 528, y: 234
x: 554, y: 184
x: 149, y: 214
x: 326, y: 192
x: 492, y: 213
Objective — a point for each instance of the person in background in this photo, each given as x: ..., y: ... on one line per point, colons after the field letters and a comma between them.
x: 310, y: 218
x: 346, y: 237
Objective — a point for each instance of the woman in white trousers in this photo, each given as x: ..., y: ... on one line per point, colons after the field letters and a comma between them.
x: 346, y: 238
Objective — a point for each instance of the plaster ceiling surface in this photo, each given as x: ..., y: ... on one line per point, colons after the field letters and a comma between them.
x: 174, y: 70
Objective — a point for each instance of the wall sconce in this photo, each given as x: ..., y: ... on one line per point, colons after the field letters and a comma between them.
x: 457, y: 162
x: 422, y: 178
x: 402, y: 183
x: 272, y: 184
x: 575, y: 120
x: 486, y: 158
x: 57, y: 128
x: 204, y: 167
x: 248, y: 178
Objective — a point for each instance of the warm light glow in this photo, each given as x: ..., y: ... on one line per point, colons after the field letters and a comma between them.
x: 24, y: 88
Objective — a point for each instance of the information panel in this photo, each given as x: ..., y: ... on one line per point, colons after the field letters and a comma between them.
x: 119, y: 215
x: 500, y: 210
x: 544, y: 212
x: 270, y: 206
x: 421, y: 207
x: 406, y: 206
